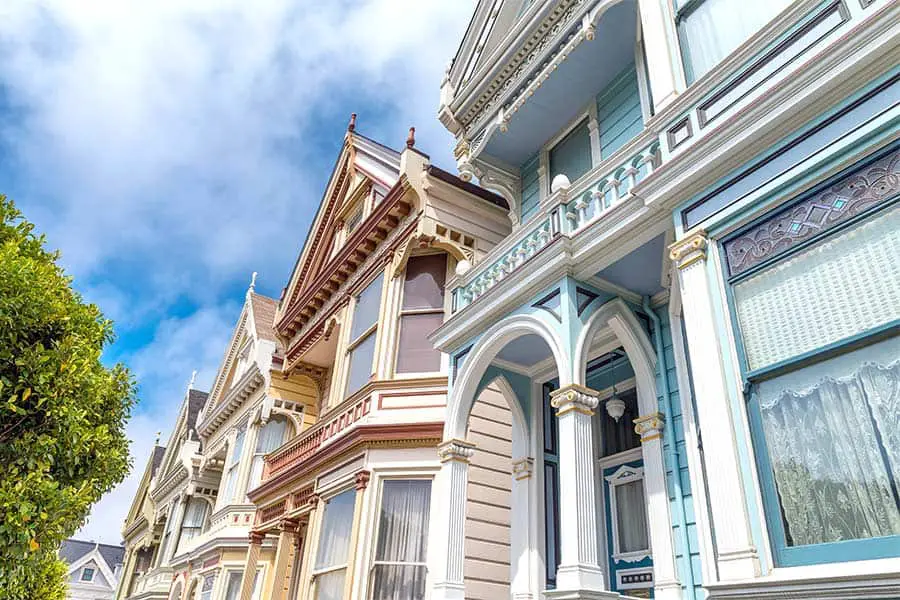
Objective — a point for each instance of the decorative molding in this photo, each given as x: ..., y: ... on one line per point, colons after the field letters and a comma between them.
x: 650, y: 427
x: 256, y: 537
x: 574, y: 397
x: 456, y: 451
x: 689, y: 250
x: 523, y: 468
x: 852, y: 194
x: 361, y: 480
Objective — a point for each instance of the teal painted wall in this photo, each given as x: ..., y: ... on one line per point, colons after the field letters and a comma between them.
x: 571, y: 156
x: 675, y: 420
x: 619, y: 112
x: 531, y: 192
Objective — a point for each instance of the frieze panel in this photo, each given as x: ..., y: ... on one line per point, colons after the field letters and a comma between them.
x: 852, y: 195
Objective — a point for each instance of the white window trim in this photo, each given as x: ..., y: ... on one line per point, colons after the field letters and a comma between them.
x: 351, y: 344
x: 344, y: 485
x: 623, y: 475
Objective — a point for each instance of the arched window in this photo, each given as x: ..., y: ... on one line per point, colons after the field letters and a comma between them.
x: 271, y: 436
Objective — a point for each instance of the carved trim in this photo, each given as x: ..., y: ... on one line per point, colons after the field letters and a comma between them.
x: 650, y: 427
x: 574, y: 398
x: 257, y: 537
x: 522, y: 468
x: 361, y: 481
x: 851, y: 195
x: 456, y: 451
x: 689, y: 250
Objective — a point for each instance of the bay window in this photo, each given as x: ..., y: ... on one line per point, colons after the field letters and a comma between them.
x: 421, y: 312
x: 363, y: 329
x: 330, y: 569
x: 233, y: 585
x: 818, y: 317
x: 194, y: 520
x: 269, y: 438
x: 206, y: 588
x: 709, y: 30
x: 233, y: 468
x: 399, y: 569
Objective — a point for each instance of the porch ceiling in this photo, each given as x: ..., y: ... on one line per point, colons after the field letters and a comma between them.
x: 571, y: 87
x: 526, y: 351
x: 640, y: 271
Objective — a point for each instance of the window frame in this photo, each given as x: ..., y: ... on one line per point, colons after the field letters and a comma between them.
x: 401, y: 312
x: 314, y: 572
x: 234, y: 466
x: 84, y: 570
x: 198, y: 530
x: 354, y: 343
x: 827, y: 552
x: 376, y: 531
x: 613, y: 481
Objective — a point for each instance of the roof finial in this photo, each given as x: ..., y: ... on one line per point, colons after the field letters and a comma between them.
x: 252, y: 287
x: 411, y: 138
x: 156, y: 442
x: 351, y: 127
x: 193, y: 378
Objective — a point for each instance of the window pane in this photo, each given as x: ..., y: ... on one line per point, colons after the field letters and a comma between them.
x: 366, y: 312
x: 334, y: 540
x: 330, y: 586
x: 403, y: 525
x: 833, y: 442
x: 398, y: 582
x: 415, y: 354
x: 631, y: 516
x: 834, y: 290
x: 234, y: 585
x: 714, y: 28
x: 352, y: 221
x: 572, y: 155
x: 619, y: 436
x: 270, y: 437
x: 424, y: 284
x: 361, y: 358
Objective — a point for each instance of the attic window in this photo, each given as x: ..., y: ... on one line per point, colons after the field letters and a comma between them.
x: 351, y: 221
x: 87, y: 574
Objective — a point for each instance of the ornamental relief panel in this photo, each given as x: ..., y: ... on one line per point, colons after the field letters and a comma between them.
x: 852, y: 195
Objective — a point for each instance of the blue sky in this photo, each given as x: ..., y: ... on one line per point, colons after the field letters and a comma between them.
x: 171, y: 148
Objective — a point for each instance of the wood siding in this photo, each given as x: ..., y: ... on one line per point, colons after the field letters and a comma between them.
x: 487, y: 553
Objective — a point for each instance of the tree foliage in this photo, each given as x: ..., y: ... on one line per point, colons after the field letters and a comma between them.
x: 62, y: 412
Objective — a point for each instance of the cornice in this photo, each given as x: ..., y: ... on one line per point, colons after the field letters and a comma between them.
x: 232, y: 400
x: 370, y: 435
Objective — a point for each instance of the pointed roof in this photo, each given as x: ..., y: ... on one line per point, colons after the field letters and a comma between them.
x: 264, y: 315
x: 196, y: 400
x: 156, y: 459
x: 71, y: 551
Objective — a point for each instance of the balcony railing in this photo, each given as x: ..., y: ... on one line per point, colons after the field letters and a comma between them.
x: 572, y: 210
x: 307, y: 443
x: 156, y: 580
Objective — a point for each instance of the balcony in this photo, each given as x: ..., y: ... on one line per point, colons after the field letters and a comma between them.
x: 152, y: 584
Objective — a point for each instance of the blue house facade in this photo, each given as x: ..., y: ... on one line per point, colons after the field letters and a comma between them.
x: 694, y: 319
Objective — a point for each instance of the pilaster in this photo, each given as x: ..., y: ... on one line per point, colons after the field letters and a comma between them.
x: 522, y: 537
x: 448, y: 526
x: 361, y: 483
x: 579, y: 568
x: 736, y: 555
x: 253, y: 549
x: 287, y: 534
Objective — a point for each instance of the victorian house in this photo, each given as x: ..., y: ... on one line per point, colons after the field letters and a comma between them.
x: 349, y: 502
x: 694, y: 317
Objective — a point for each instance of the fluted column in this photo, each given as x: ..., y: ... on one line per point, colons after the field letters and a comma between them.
x: 735, y: 552
x: 579, y: 568
x: 666, y: 585
x: 448, y: 528
x: 253, y: 549
x: 287, y: 533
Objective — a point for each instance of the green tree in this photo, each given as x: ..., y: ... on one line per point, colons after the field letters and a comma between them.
x: 62, y: 412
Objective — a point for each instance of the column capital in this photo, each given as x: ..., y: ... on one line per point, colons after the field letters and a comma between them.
x: 257, y: 537
x: 313, y: 501
x: 456, y: 451
x: 362, y: 480
x: 522, y: 468
x: 650, y: 427
x: 574, y: 397
x: 288, y: 525
x: 689, y: 250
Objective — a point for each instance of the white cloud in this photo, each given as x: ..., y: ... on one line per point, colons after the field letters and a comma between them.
x: 171, y: 147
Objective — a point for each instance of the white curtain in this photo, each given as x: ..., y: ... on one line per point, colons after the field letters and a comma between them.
x: 271, y: 436
x: 714, y: 28
x: 834, y: 449
x: 231, y: 475
x: 402, y: 538
x: 234, y: 585
x: 631, y: 516
x: 334, y: 544
x: 194, y: 518
x: 330, y: 586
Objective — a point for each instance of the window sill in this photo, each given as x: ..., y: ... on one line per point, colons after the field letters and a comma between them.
x: 841, y: 580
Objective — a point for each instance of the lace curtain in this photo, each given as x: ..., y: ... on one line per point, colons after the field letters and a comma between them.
x: 835, y: 453
x: 231, y: 475
x: 399, y: 572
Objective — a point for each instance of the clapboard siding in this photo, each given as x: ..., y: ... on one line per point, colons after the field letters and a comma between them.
x: 487, y: 553
x: 531, y: 191
x: 619, y: 112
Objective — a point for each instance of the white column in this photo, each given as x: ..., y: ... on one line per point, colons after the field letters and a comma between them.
x: 522, y: 540
x: 448, y: 526
x: 665, y: 577
x: 661, y: 51
x: 736, y: 554
x: 579, y: 570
